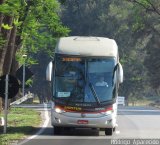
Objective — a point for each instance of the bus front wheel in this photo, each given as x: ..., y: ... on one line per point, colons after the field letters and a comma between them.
x: 108, y: 131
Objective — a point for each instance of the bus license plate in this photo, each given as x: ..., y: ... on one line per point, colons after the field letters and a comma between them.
x: 82, y: 122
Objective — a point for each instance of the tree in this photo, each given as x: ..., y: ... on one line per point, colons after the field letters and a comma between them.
x: 28, y: 27
x: 33, y: 26
x: 151, y: 28
x: 148, y: 5
x: 111, y: 19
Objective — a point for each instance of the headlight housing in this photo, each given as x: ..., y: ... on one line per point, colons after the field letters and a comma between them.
x: 58, y: 110
x: 108, y: 111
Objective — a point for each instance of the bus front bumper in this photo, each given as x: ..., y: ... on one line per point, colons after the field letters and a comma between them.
x: 108, y: 121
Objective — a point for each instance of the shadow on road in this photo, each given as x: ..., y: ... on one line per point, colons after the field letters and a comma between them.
x: 26, y: 130
x: 29, y: 130
x: 80, y: 132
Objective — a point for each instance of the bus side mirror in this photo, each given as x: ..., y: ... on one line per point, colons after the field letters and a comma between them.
x: 120, y: 73
x: 49, y: 71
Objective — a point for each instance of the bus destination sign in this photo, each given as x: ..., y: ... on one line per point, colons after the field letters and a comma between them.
x: 71, y: 59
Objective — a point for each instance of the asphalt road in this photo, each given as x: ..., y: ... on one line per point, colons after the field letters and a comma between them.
x: 137, y: 123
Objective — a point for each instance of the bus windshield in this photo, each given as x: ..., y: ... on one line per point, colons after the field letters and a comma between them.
x: 84, y: 80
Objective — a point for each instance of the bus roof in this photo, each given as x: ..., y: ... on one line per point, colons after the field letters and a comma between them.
x: 87, y: 46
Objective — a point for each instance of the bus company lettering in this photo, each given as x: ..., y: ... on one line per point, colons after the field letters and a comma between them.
x: 72, y: 108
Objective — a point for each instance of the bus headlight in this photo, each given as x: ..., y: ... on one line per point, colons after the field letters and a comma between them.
x: 58, y: 110
x: 109, y: 112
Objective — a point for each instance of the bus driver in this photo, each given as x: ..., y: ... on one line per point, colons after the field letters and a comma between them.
x: 101, y: 82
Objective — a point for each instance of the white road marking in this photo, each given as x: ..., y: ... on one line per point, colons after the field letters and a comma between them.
x: 42, y: 129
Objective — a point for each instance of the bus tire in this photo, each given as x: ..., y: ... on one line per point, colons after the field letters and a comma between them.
x: 108, y: 131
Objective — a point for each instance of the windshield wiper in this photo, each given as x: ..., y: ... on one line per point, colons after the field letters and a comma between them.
x: 115, y: 68
x: 94, y: 93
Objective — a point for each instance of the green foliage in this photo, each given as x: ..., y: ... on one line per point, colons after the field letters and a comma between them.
x: 11, y: 7
x: 152, y: 61
x: 6, y: 26
x: 147, y: 10
x: 145, y: 2
x: 19, y: 55
x: 29, y: 82
x: 42, y: 25
x: 16, y: 22
x: 38, y: 25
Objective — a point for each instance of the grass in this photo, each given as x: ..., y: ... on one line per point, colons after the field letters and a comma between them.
x: 21, y: 123
x: 143, y: 102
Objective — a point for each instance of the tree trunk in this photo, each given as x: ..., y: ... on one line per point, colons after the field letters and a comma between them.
x: 1, y: 15
x: 1, y: 20
x: 1, y: 1
x: 14, y: 66
x: 10, y: 52
x: 6, y: 36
